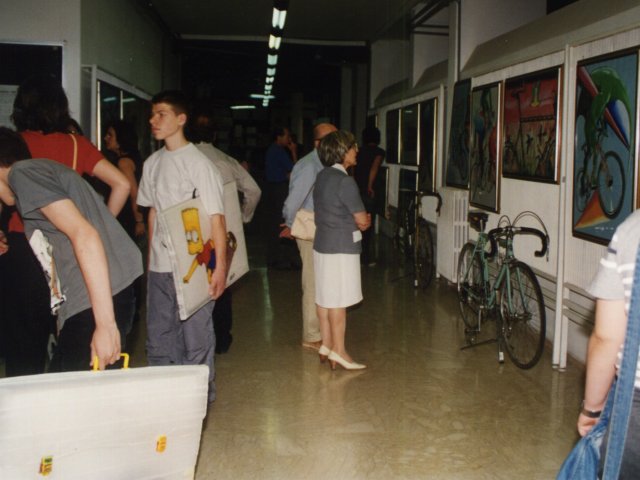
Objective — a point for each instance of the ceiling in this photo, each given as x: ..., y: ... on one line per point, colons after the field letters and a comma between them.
x: 223, y: 43
x: 317, y: 20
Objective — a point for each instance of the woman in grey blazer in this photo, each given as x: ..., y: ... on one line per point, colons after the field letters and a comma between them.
x: 340, y: 217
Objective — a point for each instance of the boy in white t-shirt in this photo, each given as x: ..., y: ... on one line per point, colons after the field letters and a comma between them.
x: 170, y: 176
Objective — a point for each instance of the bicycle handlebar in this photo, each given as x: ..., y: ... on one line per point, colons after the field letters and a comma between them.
x: 423, y: 193
x: 501, y: 231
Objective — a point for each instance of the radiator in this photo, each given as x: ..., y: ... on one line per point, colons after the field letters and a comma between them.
x: 453, y: 230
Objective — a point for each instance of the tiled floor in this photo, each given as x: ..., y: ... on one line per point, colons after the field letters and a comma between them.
x: 423, y: 408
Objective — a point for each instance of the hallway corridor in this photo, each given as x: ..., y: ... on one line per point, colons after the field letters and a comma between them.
x: 423, y: 408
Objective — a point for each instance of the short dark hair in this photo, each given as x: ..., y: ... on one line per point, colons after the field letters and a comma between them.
x: 201, y: 127
x: 126, y: 136
x: 371, y: 135
x: 174, y: 98
x: 334, y: 146
x: 278, y: 131
x: 41, y: 105
x: 12, y: 147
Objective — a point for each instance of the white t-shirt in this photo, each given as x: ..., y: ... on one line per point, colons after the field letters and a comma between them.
x: 170, y: 177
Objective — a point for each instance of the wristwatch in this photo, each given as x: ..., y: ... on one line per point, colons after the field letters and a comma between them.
x: 589, y: 413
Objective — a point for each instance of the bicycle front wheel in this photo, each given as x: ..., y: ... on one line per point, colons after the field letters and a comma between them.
x: 611, y: 184
x: 523, y: 316
x: 470, y: 285
x: 424, y: 262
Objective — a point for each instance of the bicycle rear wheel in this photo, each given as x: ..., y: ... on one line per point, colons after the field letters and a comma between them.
x: 523, y: 316
x: 470, y: 285
x: 611, y: 184
x: 424, y: 262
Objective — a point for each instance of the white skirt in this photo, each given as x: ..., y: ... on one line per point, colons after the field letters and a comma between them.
x: 337, y: 279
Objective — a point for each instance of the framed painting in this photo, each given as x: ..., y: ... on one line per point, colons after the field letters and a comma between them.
x: 457, y: 174
x: 427, y: 145
x: 604, y: 154
x: 409, y: 119
x: 483, y: 146
x: 381, y: 191
x: 392, y: 136
x: 530, y: 127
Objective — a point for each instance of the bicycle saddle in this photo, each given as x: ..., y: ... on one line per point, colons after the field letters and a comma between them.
x: 477, y: 219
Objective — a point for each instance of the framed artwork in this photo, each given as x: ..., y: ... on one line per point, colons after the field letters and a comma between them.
x: 409, y: 135
x: 483, y: 147
x: 530, y: 127
x: 427, y: 145
x: 457, y: 174
x: 604, y: 154
x: 392, y: 136
x: 381, y: 189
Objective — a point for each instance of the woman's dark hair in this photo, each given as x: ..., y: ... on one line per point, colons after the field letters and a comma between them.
x: 334, y: 146
x: 12, y: 147
x: 370, y: 135
x: 41, y: 105
x: 126, y: 136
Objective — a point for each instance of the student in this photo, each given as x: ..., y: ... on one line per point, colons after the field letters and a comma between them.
x: 170, y: 176
x: 93, y: 257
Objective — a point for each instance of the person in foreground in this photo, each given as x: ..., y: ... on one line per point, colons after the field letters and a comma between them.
x: 340, y: 218
x: 170, y: 176
x: 612, y: 289
x: 95, y: 259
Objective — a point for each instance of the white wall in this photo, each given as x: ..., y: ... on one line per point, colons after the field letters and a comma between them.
x: 390, y: 63
x: 427, y: 50
x: 482, y: 20
x: 35, y: 21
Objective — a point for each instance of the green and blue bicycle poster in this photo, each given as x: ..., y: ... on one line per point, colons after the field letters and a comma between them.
x: 603, y: 168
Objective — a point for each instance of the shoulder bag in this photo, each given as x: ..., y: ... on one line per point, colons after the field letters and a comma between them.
x: 304, y: 223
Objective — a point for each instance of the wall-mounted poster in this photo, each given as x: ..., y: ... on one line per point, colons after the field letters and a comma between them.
x: 381, y: 189
x: 392, y: 134
x: 427, y: 145
x: 604, y: 158
x: 409, y: 135
x: 483, y: 177
x: 530, y: 126
x: 458, y: 158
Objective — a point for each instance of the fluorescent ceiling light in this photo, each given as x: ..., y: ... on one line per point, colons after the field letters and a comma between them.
x: 109, y: 99
x: 268, y: 80
x: 271, y: 72
x: 263, y: 97
x: 272, y: 60
x: 278, y: 18
x: 243, y: 107
x: 274, y: 42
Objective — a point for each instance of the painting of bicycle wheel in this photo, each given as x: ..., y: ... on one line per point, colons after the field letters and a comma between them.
x: 458, y: 157
x: 483, y: 178
x: 530, y: 120
x: 604, y: 155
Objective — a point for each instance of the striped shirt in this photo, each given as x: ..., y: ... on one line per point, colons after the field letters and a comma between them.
x: 615, y: 275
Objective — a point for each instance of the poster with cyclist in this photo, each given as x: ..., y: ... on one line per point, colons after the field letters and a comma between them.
x: 604, y: 148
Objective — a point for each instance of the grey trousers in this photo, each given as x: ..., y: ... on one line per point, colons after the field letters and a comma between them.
x: 171, y: 341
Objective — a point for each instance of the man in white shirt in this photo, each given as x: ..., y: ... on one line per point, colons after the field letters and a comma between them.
x: 203, y: 133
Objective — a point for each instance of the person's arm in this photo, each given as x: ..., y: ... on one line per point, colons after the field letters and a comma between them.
x: 219, y: 237
x: 92, y: 259
x: 109, y: 174
x: 249, y: 188
x: 4, y: 244
x: 151, y: 221
x: 128, y: 167
x: 373, y: 173
x: 604, y: 343
x: 363, y: 220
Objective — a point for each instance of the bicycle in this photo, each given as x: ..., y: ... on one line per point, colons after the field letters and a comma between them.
x: 515, y: 294
x: 417, y: 241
